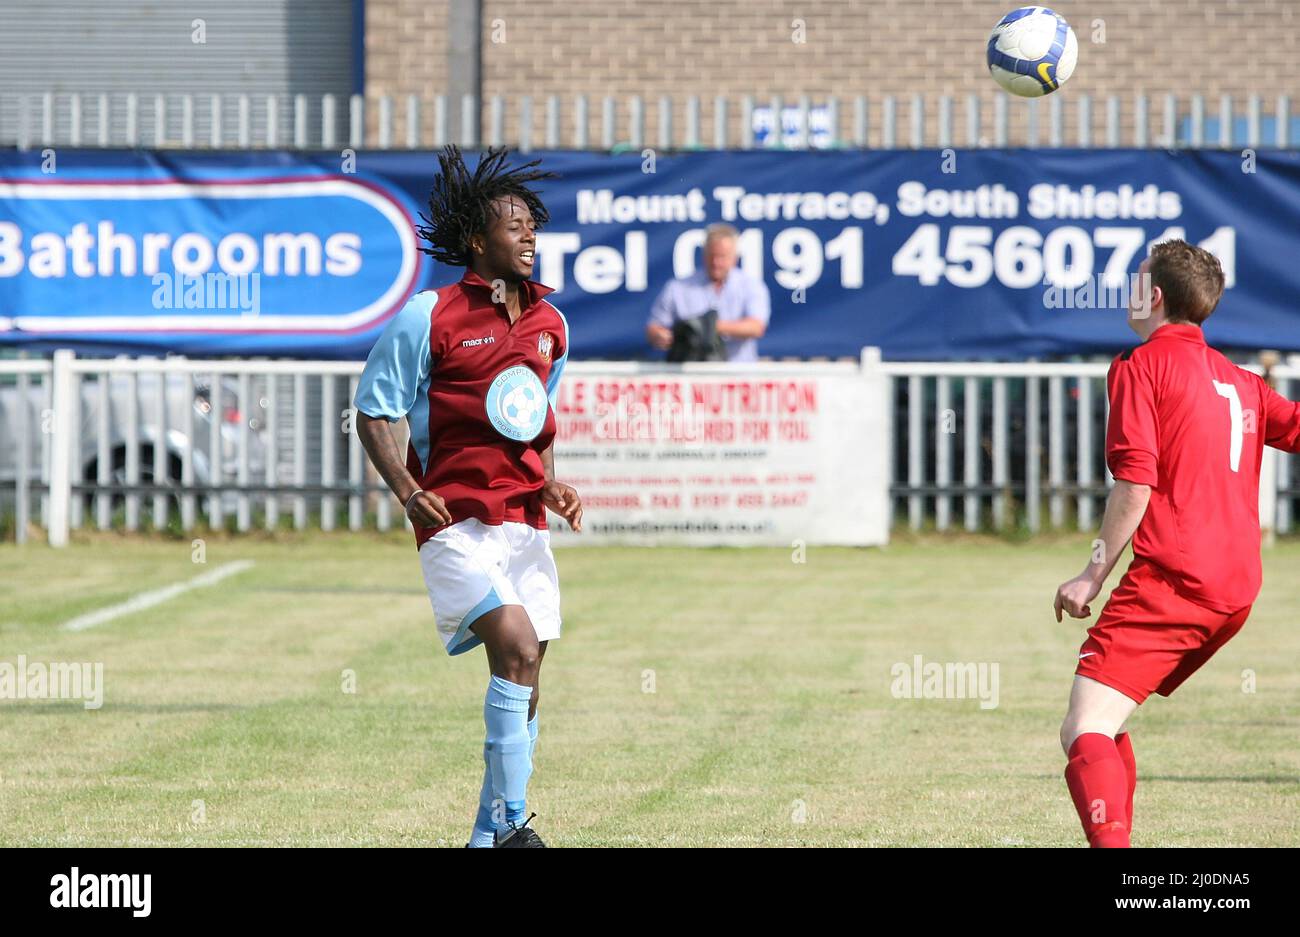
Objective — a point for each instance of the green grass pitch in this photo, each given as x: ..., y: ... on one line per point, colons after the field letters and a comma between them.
x: 698, y: 698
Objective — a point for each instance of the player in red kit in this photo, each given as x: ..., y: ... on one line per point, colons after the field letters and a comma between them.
x: 474, y: 367
x: 1184, y: 441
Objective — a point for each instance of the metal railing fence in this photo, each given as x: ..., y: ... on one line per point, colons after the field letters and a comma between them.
x: 185, y: 445
x: 989, y: 446
x: 669, y: 122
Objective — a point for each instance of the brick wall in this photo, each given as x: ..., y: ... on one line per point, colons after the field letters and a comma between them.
x: 406, y: 46
x: 876, y: 47
x: 406, y: 53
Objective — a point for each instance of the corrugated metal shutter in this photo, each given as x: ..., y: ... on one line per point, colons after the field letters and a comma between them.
x: 261, y: 48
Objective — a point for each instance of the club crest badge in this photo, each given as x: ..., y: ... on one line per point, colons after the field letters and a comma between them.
x: 544, y: 345
x: 517, y: 405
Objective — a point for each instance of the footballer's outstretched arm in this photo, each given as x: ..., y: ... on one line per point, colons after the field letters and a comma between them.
x: 424, y: 508
x: 1282, y: 421
x: 1124, y: 510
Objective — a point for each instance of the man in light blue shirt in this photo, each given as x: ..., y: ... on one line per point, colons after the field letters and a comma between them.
x: 742, y: 303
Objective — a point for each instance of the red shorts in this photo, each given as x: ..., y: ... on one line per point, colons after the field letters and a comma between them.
x: 1149, y: 639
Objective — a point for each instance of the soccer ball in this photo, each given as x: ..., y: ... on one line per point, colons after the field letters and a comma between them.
x: 521, y: 406
x: 1032, y: 51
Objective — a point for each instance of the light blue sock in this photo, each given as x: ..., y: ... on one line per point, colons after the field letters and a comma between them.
x: 481, y: 837
x: 484, y: 826
x: 505, y: 713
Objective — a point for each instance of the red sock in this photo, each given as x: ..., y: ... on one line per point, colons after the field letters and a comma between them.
x: 1124, y: 745
x: 1098, y: 784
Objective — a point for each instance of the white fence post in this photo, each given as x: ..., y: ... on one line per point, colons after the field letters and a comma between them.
x: 1268, y: 498
x: 63, y: 428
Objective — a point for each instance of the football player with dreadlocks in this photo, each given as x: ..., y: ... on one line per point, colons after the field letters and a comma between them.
x: 474, y: 367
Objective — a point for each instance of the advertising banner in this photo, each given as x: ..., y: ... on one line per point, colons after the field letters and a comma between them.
x: 926, y: 254
x: 777, y: 455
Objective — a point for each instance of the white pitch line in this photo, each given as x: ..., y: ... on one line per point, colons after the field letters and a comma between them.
x: 156, y: 597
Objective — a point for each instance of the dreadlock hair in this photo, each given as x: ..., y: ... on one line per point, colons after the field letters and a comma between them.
x: 460, y: 202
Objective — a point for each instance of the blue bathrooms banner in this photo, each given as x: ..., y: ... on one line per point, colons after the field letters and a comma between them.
x: 929, y: 254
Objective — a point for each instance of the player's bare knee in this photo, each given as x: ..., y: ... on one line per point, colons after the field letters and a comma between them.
x: 1073, y: 727
x: 521, y: 657
x: 526, y: 660
x: 1068, y: 734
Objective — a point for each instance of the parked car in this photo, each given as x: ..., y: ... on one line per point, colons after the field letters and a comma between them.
x: 185, y: 413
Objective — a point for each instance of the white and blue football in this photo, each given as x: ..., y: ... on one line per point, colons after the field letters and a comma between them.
x: 1032, y: 51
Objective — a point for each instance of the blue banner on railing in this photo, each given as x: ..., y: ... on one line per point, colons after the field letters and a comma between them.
x: 928, y: 254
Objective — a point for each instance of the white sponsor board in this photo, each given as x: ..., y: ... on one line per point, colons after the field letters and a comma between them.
x: 764, y: 454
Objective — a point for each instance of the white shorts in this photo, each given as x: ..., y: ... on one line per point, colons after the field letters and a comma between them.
x: 470, y: 568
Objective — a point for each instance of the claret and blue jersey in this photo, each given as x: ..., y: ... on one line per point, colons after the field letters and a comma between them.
x: 478, y: 393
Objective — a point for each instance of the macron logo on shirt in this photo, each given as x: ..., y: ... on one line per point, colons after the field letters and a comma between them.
x: 473, y: 342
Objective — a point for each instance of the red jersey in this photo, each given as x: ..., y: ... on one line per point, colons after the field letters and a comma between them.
x: 1192, y: 425
x: 478, y: 393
